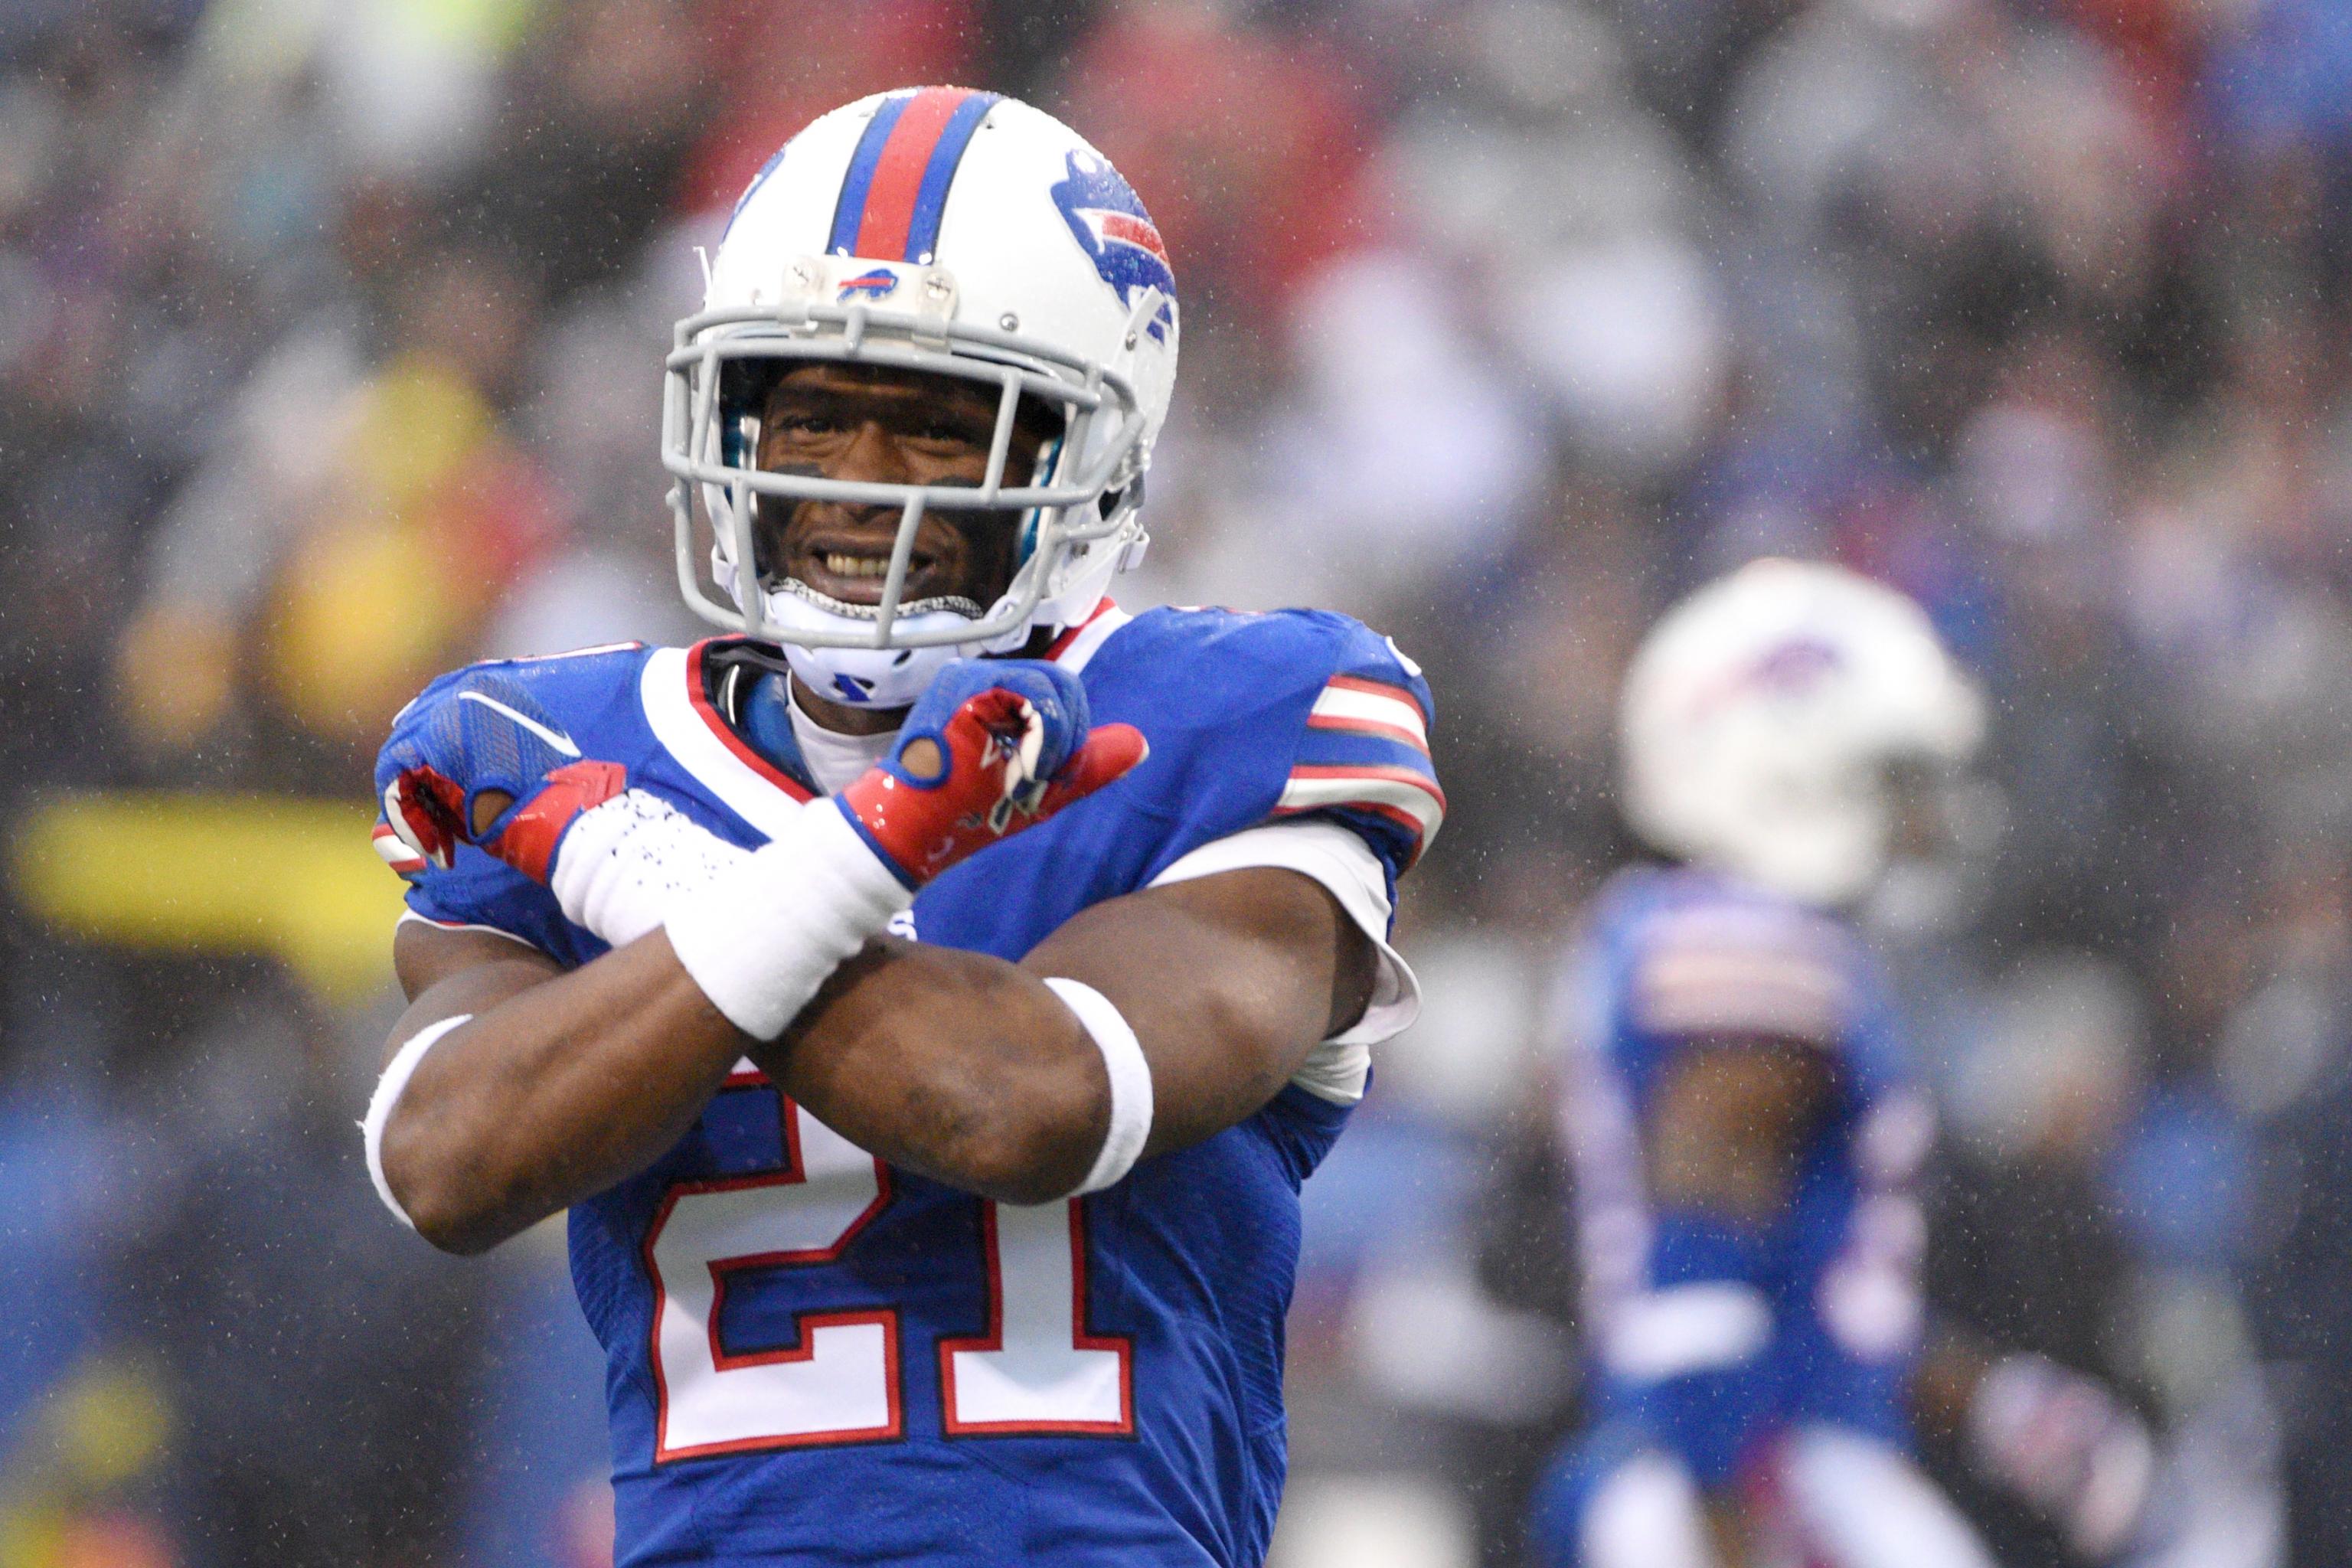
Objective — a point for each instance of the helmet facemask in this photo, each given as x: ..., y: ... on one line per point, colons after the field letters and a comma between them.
x: 991, y: 544
x: 1081, y: 500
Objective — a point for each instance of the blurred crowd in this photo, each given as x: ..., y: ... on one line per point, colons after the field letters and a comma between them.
x: 329, y: 340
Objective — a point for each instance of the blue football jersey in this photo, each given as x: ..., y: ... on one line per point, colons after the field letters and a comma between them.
x: 1710, y: 1335
x: 816, y: 1358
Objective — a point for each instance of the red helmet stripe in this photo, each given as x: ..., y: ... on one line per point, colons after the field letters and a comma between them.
x: 899, y: 173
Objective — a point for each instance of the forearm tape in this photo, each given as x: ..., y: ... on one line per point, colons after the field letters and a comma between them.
x: 763, y: 934
x: 624, y: 865
x: 1131, y: 1081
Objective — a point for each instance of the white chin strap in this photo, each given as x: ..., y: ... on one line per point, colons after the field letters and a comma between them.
x: 869, y: 677
x: 863, y: 677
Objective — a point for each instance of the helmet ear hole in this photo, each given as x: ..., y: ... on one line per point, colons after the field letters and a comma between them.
x: 1128, y: 497
x: 743, y: 385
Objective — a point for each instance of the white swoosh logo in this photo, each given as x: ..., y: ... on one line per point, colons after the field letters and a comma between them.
x: 562, y: 743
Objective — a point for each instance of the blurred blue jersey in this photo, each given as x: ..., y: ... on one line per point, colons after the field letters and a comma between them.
x: 1711, y: 1336
x: 814, y: 1357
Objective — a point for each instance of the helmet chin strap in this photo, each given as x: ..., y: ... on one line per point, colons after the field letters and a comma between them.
x: 869, y: 678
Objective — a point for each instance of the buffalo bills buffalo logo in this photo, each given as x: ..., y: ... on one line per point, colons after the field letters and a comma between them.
x: 1111, y: 226
x: 879, y: 284
x: 1788, y: 669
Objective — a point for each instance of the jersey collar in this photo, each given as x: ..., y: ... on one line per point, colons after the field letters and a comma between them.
x: 1079, y: 643
x: 691, y: 730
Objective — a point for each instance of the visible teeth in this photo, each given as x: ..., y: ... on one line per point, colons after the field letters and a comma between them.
x: 841, y: 565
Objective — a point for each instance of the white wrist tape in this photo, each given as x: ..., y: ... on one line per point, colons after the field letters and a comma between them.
x: 1130, y: 1081
x: 387, y: 1095
x: 762, y: 935
x: 624, y: 865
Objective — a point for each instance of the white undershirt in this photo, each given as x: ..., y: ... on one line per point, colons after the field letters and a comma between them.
x: 834, y: 759
x: 1338, y: 1068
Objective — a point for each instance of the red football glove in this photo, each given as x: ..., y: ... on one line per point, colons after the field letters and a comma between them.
x: 994, y: 747
x: 485, y: 736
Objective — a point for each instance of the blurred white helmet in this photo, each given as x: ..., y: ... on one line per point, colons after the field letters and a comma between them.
x: 1768, y: 720
x: 945, y: 230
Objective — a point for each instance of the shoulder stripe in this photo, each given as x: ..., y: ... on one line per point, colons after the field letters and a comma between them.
x: 1369, y: 773
x: 726, y: 734
x: 1370, y: 688
x: 1077, y: 645
x: 1366, y: 708
x: 1405, y: 820
x: 698, y: 741
x: 1742, y: 968
x: 1693, y: 991
x: 1412, y: 800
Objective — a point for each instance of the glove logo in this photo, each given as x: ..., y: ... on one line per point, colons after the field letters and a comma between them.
x: 560, y: 740
x: 1107, y: 220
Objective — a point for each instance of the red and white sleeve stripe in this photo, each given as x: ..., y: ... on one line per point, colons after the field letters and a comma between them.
x: 1355, y: 706
x: 1373, y: 756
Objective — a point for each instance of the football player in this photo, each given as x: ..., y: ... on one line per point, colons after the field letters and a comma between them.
x: 1746, y: 1129
x: 929, y: 999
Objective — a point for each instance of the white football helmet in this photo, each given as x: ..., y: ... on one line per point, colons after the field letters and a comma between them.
x: 1766, y: 719
x: 945, y: 230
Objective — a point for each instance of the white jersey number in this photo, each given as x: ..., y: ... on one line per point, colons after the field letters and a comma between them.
x: 1035, y: 1368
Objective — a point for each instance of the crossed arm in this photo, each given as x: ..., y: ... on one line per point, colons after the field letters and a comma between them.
x: 957, y: 1065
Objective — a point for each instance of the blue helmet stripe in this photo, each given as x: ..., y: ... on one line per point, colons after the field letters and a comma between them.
x: 932, y: 199
x: 849, y: 212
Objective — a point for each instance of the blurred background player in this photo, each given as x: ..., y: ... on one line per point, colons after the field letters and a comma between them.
x: 1748, y: 1131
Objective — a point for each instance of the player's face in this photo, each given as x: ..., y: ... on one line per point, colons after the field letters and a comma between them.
x: 883, y: 425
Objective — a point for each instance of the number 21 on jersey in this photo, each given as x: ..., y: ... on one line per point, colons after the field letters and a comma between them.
x: 1034, y: 1370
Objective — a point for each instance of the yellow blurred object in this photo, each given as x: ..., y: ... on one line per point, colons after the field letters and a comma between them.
x: 364, y: 620
x: 176, y: 671
x: 413, y: 547
x: 106, y: 1424
x: 32, y: 1535
x: 298, y: 879
x: 250, y: 41
x: 420, y: 421
x: 112, y: 1422
x: 493, y: 26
